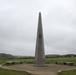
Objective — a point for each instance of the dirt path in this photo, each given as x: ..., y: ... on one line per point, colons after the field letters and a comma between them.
x: 50, y: 69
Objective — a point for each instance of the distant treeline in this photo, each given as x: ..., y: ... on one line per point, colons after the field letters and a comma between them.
x: 3, y: 55
x: 67, y: 55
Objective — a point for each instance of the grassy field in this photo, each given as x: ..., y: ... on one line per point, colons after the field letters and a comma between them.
x: 2, y: 61
x: 48, y: 60
x: 31, y: 60
x: 12, y: 72
x: 61, y: 59
x: 70, y: 72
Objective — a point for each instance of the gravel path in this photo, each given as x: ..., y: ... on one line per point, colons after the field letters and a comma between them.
x: 50, y: 69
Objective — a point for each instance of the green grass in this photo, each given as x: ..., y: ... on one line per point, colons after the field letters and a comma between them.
x: 31, y: 60
x: 2, y: 61
x: 48, y: 60
x: 70, y: 72
x: 60, y: 59
x: 12, y: 72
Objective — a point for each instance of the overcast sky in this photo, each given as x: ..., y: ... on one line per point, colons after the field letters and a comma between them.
x: 19, y: 21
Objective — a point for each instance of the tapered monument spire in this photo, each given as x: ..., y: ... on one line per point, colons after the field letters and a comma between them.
x: 39, y: 52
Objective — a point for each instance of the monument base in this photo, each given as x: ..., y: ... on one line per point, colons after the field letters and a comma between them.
x: 40, y: 65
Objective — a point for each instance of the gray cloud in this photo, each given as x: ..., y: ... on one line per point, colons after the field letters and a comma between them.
x: 18, y: 26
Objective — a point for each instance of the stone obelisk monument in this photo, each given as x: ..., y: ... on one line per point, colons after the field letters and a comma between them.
x: 39, y: 52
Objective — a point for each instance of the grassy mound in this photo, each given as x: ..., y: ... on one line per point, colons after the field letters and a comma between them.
x: 70, y: 72
x: 12, y: 72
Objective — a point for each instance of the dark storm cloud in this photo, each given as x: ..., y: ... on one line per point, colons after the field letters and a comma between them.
x: 18, y: 26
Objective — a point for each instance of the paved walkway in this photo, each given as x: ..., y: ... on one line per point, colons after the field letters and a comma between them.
x: 50, y: 69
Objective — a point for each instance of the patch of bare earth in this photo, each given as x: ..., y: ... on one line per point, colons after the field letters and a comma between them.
x: 49, y: 69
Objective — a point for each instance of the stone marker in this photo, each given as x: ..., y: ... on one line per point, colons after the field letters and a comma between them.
x: 39, y: 52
